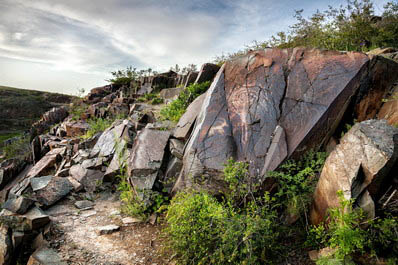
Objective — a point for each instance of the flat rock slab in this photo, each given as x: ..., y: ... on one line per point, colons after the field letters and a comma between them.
x: 146, y: 157
x: 359, y: 166
x: 56, y: 189
x: 40, y: 182
x: 45, y: 256
x: 108, y: 229
x: 84, y: 204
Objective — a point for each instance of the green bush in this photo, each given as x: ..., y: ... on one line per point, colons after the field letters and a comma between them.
x: 296, y: 181
x: 124, y: 77
x: 239, y: 229
x: 177, y: 108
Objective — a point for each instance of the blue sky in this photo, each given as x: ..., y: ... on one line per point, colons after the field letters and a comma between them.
x: 65, y: 45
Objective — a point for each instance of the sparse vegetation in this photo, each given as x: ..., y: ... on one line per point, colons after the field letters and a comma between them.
x: 19, y: 148
x: 350, y: 27
x: 177, y: 108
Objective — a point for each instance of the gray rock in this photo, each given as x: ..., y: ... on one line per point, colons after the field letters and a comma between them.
x: 84, y: 204
x: 108, y: 229
x: 6, y: 248
x: 146, y: 157
x: 18, y: 205
x: 359, y: 166
x: 177, y: 148
x: 45, y: 256
x: 173, y: 171
x: 56, y: 189
x: 207, y: 72
x: 40, y: 182
x: 89, y: 178
x: 30, y: 221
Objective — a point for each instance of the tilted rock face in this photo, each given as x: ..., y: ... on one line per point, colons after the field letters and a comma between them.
x: 290, y: 100
x: 359, y: 166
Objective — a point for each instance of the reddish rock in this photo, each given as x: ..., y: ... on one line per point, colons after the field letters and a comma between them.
x: 97, y: 110
x: 359, y: 166
x: 303, y: 91
x: 76, y: 128
x: 389, y: 112
x: 146, y: 158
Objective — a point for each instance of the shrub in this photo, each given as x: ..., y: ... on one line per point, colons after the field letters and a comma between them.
x: 177, y: 108
x: 124, y: 77
x: 78, y: 109
x: 97, y: 125
x: 296, y: 181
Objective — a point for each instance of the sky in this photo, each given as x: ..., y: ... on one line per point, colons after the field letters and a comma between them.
x: 66, y: 45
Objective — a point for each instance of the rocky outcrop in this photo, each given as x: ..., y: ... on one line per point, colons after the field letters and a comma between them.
x: 53, y: 116
x: 272, y: 104
x: 359, y: 166
x: 207, y: 72
x: 389, y: 112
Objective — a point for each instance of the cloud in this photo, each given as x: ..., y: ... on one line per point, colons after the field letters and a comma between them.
x: 91, y: 38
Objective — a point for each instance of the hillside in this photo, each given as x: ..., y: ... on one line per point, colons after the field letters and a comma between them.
x: 20, y: 108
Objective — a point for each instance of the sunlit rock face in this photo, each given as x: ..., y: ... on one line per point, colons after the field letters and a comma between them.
x: 269, y: 105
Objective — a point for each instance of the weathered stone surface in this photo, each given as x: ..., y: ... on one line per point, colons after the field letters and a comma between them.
x: 45, y: 256
x: 304, y: 91
x: 380, y: 76
x: 6, y: 248
x: 9, y: 169
x: 77, y: 186
x: 389, y: 112
x: 115, y: 109
x: 49, y: 118
x: 146, y: 157
x: 379, y: 51
x: 39, y: 183
x: 84, y: 204
x: 170, y: 93
x: 53, y: 191
x: 184, y: 125
x: 108, y: 229
x: 75, y: 128
x: 191, y: 78
x: 359, y: 166
x: 105, y: 145
x: 5, y: 192
x: 87, y: 177
x: 207, y: 72
x: 32, y: 220
x: 173, y: 171
x: 97, y: 110
x: 177, y: 148
x: 18, y: 205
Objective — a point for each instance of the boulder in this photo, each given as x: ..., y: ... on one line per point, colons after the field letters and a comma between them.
x: 32, y: 220
x: 105, y: 146
x: 6, y: 248
x: 268, y: 105
x: 146, y: 158
x: 76, y: 128
x: 207, y: 72
x: 19, y: 205
x: 191, y: 78
x: 187, y: 120
x: 359, y: 166
x: 97, y: 110
x: 45, y: 256
x: 54, y: 190
x: 89, y: 178
x: 118, y: 109
x: 170, y: 93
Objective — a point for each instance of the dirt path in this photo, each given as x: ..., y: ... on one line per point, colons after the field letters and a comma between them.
x: 76, y: 239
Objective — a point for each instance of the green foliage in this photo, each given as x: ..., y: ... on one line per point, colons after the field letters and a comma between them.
x: 17, y: 149
x: 177, y: 108
x: 124, y: 77
x: 296, y: 181
x: 153, y: 98
x: 238, y: 230
x: 97, y: 125
x: 343, y: 231
x: 77, y: 110
x: 383, y: 236
x: 353, y: 27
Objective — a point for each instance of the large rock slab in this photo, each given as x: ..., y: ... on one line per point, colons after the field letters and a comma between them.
x: 303, y: 91
x: 53, y: 191
x: 9, y: 169
x: 45, y: 256
x: 389, y: 112
x: 75, y: 128
x: 207, y: 72
x: 359, y: 166
x: 89, y: 178
x: 146, y: 158
x: 106, y: 144
x: 187, y: 120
